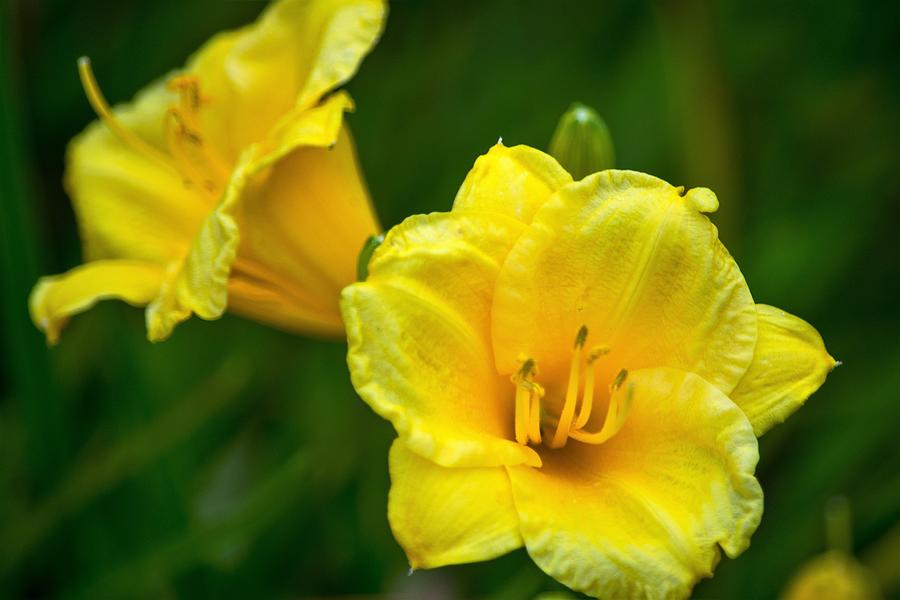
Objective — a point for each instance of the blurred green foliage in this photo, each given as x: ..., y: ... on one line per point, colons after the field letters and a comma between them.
x: 236, y: 461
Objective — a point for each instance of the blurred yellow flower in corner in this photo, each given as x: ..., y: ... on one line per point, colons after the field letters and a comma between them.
x: 577, y: 368
x: 834, y: 575
x: 231, y: 183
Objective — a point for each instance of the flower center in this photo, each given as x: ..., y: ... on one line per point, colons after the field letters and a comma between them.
x: 529, y: 395
x: 198, y: 162
x: 198, y: 165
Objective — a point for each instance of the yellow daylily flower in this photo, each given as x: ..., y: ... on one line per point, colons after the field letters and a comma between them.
x: 232, y: 182
x: 577, y: 368
x: 834, y: 575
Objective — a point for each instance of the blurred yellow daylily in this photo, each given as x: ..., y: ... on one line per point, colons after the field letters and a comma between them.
x: 232, y: 182
x: 834, y: 575
x: 576, y: 367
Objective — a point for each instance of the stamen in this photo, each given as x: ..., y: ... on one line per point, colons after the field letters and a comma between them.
x: 193, y: 156
x: 587, y: 400
x: 188, y: 87
x: 534, y: 421
x: 529, y: 419
x: 191, y: 100
x: 523, y: 399
x: 521, y: 414
x: 625, y: 409
x: 101, y: 107
x: 193, y: 159
x: 615, y: 417
x: 617, y: 382
x: 176, y: 135
x: 581, y: 337
x: 568, y: 411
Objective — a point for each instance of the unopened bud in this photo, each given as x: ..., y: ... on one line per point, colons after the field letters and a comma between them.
x: 581, y: 142
x: 365, y: 255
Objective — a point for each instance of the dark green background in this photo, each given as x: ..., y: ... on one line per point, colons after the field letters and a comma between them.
x: 236, y: 461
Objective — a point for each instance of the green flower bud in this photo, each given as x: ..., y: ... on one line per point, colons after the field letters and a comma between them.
x: 581, y: 142
x: 365, y: 255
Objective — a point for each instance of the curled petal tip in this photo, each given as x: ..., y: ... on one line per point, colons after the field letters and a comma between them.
x: 702, y: 200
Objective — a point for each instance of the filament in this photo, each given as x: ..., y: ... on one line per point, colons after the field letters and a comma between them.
x: 521, y: 414
x: 176, y: 136
x: 587, y: 400
x: 618, y: 410
x: 197, y: 161
x: 528, y: 416
x: 525, y: 390
x: 568, y: 411
x: 534, y: 421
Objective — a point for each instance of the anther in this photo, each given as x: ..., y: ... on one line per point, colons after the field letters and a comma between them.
x: 528, y: 417
x: 581, y: 337
x: 188, y: 86
x: 620, y: 378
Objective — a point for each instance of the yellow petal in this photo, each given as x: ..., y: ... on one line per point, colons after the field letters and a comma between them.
x: 255, y: 82
x: 789, y: 364
x: 419, y: 338
x: 295, y: 53
x: 634, y: 260
x: 201, y: 284
x: 56, y: 298
x: 514, y: 181
x: 128, y: 205
x: 444, y: 516
x: 644, y: 514
x: 304, y: 230
x: 265, y: 301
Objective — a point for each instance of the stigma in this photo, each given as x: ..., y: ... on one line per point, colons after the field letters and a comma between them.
x: 576, y: 408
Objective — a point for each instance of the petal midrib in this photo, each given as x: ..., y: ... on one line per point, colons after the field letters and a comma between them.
x: 637, y: 283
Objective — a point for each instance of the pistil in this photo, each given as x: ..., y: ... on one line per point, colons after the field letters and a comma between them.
x: 101, y: 107
x: 189, y: 155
